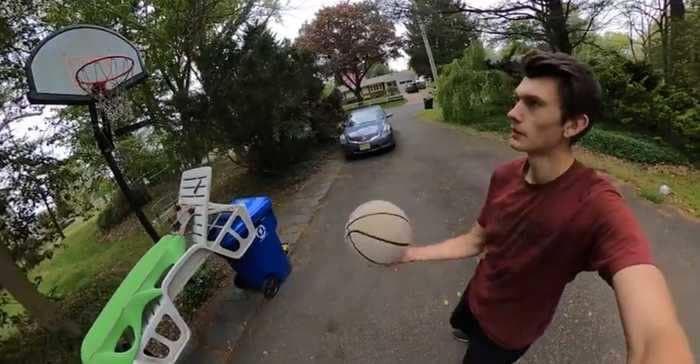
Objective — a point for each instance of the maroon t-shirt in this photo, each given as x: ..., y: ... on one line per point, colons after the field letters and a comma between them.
x: 538, y: 238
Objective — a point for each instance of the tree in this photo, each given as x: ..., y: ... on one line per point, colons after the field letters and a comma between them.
x: 21, y: 236
x: 609, y: 41
x: 349, y: 38
x: 264, y: 97
x: 172, y: 33
x: 659, y: 26
x: 468, y: 90
x: 449, y: 34
x: 20, y: 29
x: 693, y: 44
x: 378, y: 69
x: 562, y: 25
x: 677, y: 47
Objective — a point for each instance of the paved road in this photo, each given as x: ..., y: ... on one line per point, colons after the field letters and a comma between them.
x: 336, y: 308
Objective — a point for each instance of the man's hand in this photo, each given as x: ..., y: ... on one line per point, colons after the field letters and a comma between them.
x: 183, y: 216
x: 467, y: 245
x: 652, y: 331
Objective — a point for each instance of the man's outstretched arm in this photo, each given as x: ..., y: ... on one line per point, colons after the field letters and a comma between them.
x: 463, y: 246
x: 652, y: 330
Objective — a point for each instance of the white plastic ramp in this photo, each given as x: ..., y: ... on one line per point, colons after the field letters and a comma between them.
x: 195, y: 189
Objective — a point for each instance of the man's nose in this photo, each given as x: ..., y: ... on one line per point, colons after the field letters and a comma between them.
x: 514, y: 113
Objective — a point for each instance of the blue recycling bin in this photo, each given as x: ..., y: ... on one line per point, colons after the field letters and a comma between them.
x: 265, y: 265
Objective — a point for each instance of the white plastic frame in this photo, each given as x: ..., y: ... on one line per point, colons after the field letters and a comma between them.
x: 194, y: 193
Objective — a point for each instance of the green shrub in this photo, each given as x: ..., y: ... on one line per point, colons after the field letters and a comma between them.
x: 117, y: 209
x: 262, y: 93
x: 197, y: 291
x: 635, y: 98
x: 326, y: 117
x: 467, y: 91
x: 142, y: 158
x: 628, y: 146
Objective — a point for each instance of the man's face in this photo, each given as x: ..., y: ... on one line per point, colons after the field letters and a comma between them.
x: 536, y: 118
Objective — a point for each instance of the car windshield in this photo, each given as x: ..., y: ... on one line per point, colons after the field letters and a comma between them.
x: 365, y: 116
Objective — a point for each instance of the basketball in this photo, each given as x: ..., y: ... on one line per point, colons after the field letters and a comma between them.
x: 379, y: 231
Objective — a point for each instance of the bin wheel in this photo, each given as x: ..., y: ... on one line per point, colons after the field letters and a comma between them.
x: 239, y: 283
x: 285, y: 248
x: 271, y: 286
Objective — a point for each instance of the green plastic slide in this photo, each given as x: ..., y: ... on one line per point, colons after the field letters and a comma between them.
x: 125, y: 309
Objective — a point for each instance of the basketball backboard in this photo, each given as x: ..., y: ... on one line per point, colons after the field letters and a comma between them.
x: 54, y: 63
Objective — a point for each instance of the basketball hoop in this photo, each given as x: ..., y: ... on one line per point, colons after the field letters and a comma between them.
x: 100, y: 78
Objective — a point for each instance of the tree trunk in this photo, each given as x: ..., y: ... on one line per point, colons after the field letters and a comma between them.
x: 676, y: 52
x: 43, y: 311
x: 666, y: 50
x: 358, y: 93
x: 52, y: 215
x: 677, y: 10
x: 556, y: 27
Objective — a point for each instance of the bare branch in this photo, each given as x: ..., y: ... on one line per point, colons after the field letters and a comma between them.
x: 499, y: 10
x: 585, y: 33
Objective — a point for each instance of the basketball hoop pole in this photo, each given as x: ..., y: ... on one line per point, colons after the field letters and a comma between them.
x: 105, y: 146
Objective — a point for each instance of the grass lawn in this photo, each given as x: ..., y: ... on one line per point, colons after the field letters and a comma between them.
x: 434, y: 115
x: 11, y: 309
x: 646, y: 178
x: 682, y: 180
x: 87, y: 253
x: 83, y: 256
x: 384, y: 101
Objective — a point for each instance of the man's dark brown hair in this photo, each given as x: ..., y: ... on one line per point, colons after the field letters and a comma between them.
x: 579, y: 90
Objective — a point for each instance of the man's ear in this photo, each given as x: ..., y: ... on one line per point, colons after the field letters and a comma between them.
x: 575, y: 125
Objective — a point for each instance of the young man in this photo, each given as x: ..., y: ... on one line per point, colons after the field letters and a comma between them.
x: 546, y: 218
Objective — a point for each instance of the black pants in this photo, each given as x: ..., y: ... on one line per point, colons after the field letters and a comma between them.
x: 481, y: 350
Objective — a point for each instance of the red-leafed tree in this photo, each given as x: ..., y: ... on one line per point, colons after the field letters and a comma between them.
x: 348, y: 39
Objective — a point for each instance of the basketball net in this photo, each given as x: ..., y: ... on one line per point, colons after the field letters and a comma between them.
x: 101, y: 78
x: 115, y: 107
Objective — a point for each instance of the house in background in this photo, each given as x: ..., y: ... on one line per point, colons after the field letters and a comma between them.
x: 385, y: 85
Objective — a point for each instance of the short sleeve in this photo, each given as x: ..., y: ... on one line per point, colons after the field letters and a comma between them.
x: 485, y: 214
x: 618, y: 240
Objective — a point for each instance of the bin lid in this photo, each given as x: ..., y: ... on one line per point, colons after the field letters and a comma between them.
x: 258, y: 207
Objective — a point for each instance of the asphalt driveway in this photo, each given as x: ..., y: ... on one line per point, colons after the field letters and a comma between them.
x: 337, y: 308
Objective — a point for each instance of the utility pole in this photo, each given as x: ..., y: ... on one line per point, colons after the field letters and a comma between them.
x: 433, y: 69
